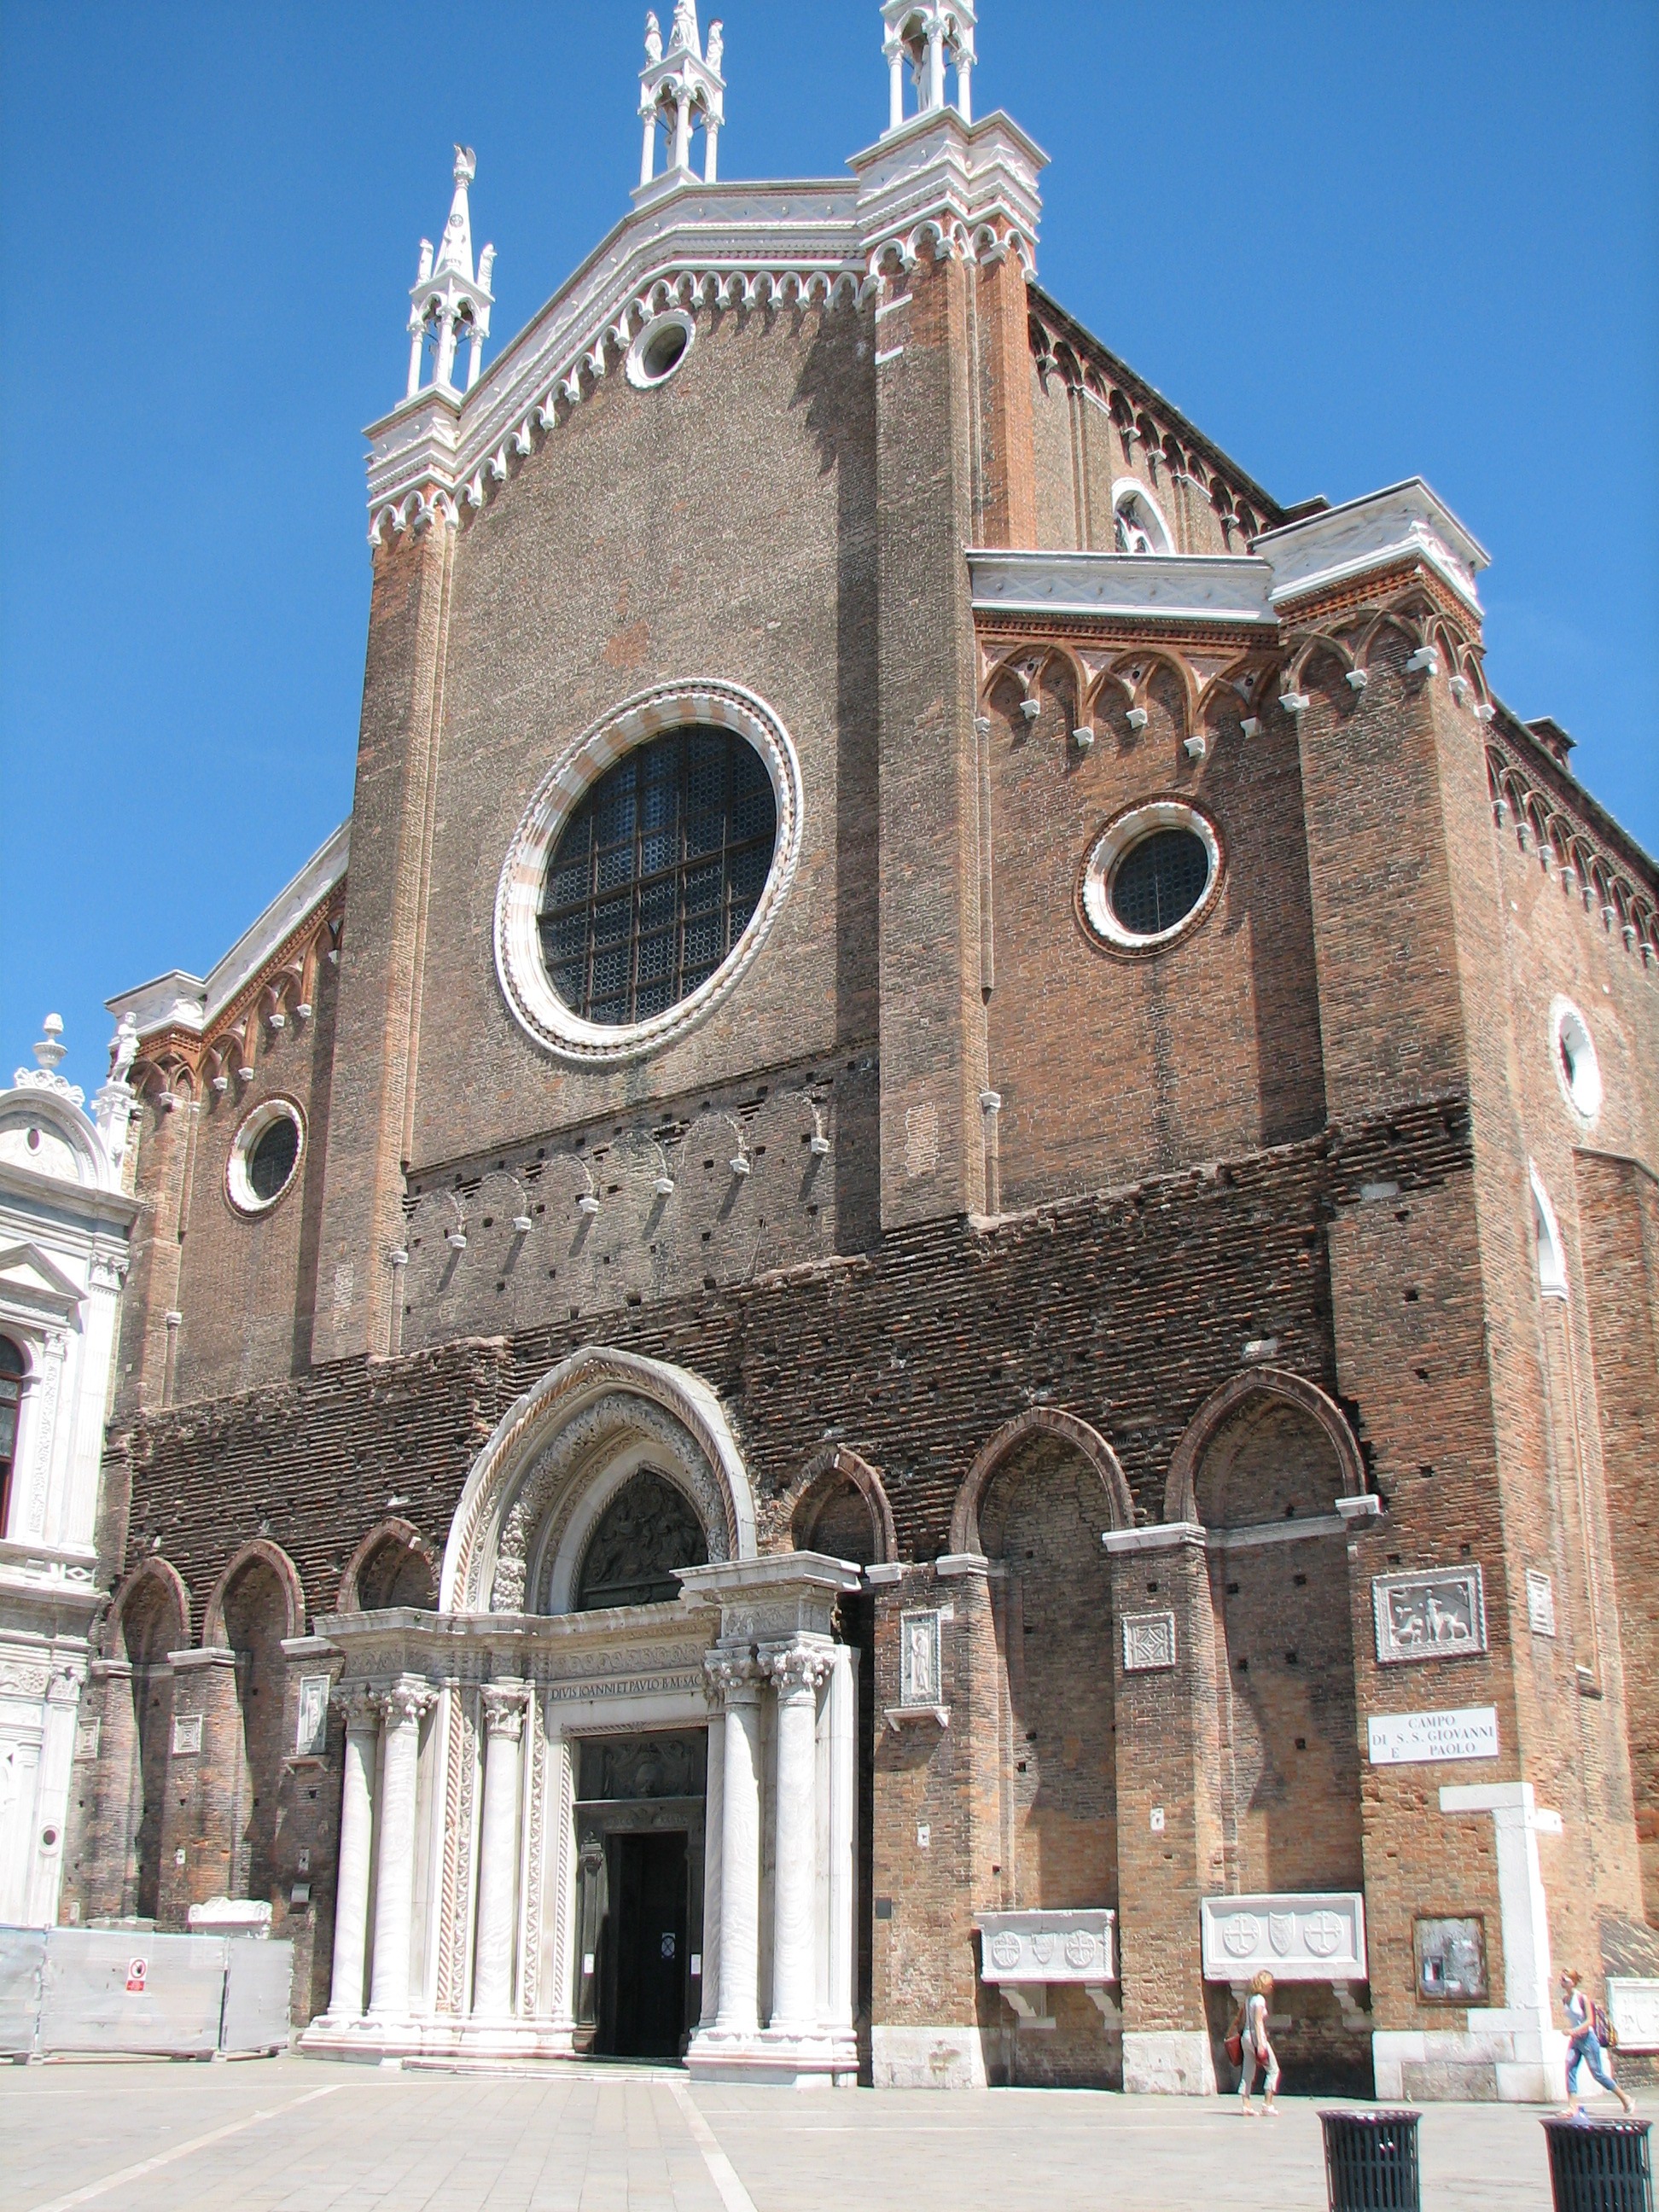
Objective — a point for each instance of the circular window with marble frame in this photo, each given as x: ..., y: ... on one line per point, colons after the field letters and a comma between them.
x: 262, y: 1170
x: 520, y: 965
x: 1578, y: 1066
x: 1129, y: 831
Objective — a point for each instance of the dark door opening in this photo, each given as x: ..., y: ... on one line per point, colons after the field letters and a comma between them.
x: 646, y: 1996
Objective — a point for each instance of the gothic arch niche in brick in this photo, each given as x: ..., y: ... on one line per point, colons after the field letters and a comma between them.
x: 839, y: 1505
x: 150, y: 1627
x: 1289, y: 1780
x: 392, y: 1566
x: 1040, y: 1518
x: 255, y: 1612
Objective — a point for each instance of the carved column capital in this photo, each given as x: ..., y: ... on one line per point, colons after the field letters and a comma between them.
x: 359, y: 1705
x: 796, y: 1670
x: 407, y: 1703
x: 504, y: 1705
x: 732, y: 1676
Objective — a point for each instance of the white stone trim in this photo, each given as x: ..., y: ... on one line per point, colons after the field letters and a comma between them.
x: 534, y: 1421
x: 1404, y: 521
x: 536, y: 1006
x: 1131, y: 488
x: 939, y: 181
x: 1551, y: 1252
x: 1191, y: 587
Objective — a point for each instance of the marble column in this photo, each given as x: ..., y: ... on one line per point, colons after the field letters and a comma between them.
x: 503, y: 1706
x: 403, y: 1705
x: 363, y: 1742
x: 558, y: 1991
x: 838, y: 1816
x: 798, y: 1670
x: 712, y: 1860
x: 739, y: 1682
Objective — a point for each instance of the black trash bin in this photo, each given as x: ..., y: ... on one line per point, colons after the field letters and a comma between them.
x: 1370, y: 2161
x: 1600, y: 2166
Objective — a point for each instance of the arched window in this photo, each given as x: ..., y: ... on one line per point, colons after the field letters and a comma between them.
x: 1552, y: 1261
x: 13, y: 1368
x: 648, y: 1530
x: 1138, y: 526
x: 657, y: 874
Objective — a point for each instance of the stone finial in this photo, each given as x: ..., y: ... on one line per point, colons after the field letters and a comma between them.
x: 681, y: 90
x: 929, y: 37
x: 51, y: 1049
x: 450, y: 299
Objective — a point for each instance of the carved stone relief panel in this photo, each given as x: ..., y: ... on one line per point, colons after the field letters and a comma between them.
x: 920, y: 1677
x: 1149, y: 1642
x: 649, y: 1528
x: 632, y: 1767
x: 1440, y: 1613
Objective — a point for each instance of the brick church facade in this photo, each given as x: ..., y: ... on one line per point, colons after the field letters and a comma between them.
x: 912, y: 1308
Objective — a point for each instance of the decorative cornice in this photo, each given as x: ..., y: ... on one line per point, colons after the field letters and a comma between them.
x: 938, y: 185
x: 1554, y: 820
x: 1405, y: 521
x: 176, y: 1015
x: 1178, y: 587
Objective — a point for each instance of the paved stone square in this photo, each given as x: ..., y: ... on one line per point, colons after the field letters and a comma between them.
x: 294, y: 2135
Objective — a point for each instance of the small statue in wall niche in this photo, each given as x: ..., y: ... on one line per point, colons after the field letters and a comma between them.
x: 653, y: 38
x: 716, y: 46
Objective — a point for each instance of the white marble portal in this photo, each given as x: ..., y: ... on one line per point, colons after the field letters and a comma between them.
x: 456, y: 1921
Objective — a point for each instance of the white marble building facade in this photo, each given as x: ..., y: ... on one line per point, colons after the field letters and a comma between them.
x: 64, y: 1225
x: 463, y: 1914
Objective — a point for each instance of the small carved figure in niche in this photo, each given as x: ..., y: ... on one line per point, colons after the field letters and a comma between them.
x: 649, y: 1528
x: 1132, y: 535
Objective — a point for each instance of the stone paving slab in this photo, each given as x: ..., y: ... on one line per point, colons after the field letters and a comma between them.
x: 292, y: 2135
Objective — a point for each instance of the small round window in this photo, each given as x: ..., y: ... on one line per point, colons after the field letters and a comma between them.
x: 1577, y: 1067
x: 265, y: 1156
x: 1150, y: 875
x: 659, y: 348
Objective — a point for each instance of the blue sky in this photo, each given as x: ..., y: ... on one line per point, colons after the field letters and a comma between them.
x: 1352, y: 244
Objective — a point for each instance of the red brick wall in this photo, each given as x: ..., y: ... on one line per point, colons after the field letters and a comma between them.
x: 1111, y: 1068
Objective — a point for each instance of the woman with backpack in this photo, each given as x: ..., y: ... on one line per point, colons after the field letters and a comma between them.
x: 1253, y: 2049
x: 1587, y: 2032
